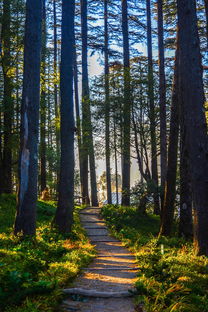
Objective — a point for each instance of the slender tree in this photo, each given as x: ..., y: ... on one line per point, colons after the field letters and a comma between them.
x: 64, y: 213
x: 126, y: 109
x: 8, y: 105
x: 107, y: 105
x: 85, y: 99
x: 162, y: 98
x: 170, y: 184
x: 78, y: 118
x: 152, y: 110
x: 193, y: 118
x: 87, y: 136
x: 43, y: 100
x: 25, y: 221
x: 56, y: 89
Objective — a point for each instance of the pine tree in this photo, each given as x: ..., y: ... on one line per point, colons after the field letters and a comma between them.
x: 25, y: 221
x: 64, y: 214
x: 126, y: 109
x: 193, y: 118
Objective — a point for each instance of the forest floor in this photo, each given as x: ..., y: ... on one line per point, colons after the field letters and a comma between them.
x: 171, y: 277
x: 112, y: 274
x: 33, y: 272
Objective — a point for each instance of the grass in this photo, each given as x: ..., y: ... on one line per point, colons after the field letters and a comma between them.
x: 171, y: 278
x: 34, y: 271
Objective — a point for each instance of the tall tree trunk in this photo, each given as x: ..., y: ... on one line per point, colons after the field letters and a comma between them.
x: 152, y: 111
x: 93, y: 179
x: 193, y: 118
x: 78, y: 118
x: 126, y: 109
x: 8, y: 104
x: 57, y: 113
x: 85, y: 99
x: 162, y: 99
x: 116, y: 161
x: 87, y: 136
x: 107, y: 106
x: 25, y: 221
x: 43, y: 104
x: 170, y: 185
x: 64, y: 213
x: 185, y: 222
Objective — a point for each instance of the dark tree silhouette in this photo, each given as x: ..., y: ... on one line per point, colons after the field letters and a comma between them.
x: 107, y: 105
x: 126, y: 109
x: 193, y: 118
x: 43, y: 103
x: 64, y: 213
x: 87, y: 136
x: 170, y: 184
x: 152, y: 110
x: 28, y: 163
x: 162, y: 98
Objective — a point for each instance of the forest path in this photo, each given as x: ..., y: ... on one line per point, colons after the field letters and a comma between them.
x: 108, y: 279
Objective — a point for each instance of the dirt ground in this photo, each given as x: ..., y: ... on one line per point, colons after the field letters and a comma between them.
x: 113, y: 270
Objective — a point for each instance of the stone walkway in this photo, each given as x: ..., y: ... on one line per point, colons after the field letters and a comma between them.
x: 103, y: 286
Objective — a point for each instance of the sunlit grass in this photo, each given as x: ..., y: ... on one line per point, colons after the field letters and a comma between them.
x: 33, y: 271
x: 171, y: 278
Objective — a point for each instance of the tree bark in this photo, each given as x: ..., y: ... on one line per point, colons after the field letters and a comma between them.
x: 193, y: 118
x: 152, y: 111
x: 78, y: 118
x: 116, y: 159
x: 25, y: 221
x: 87, y: 136
x: 126, y: 109
x: 162, y: 99
x: 85, y: 99
x: 56, y: 90
x: 185, y: 222
x: 170, y: 185
x: 107, y: 106
x: 43, y: 104
x: 8, y: 104
x: 64, y: 213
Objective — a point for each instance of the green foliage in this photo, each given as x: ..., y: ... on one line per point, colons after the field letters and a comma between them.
x: 171, y: 278
x: 33, y: 271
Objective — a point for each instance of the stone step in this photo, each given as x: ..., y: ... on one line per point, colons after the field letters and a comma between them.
x: 94, y: 240
x: 93, y: 221
x: 97, y: 235
x: 98, y: 294
x: 111, y: 269
x: 89, y: 213
x: 95, y: 228
x: 115, y: 256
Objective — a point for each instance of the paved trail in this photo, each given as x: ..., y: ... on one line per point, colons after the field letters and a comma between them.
x: 111, y: 274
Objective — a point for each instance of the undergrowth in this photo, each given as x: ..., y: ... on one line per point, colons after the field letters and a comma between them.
x: 171, y: 278
x: 33, y: 271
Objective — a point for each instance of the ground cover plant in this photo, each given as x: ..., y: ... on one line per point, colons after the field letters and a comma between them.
x: 33, y: 271
x: 171, y: 277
